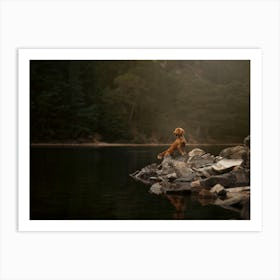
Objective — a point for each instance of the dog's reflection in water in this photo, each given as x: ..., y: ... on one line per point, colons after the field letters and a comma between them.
x: 180, y: 204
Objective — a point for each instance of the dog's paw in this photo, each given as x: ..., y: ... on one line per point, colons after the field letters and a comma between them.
x: 159, y: 156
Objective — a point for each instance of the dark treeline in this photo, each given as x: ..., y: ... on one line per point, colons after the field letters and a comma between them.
x: 139, y: 101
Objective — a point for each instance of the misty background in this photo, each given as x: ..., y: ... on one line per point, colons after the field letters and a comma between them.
x: 139, y: 101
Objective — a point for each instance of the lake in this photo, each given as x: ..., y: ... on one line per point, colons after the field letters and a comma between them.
x: 93, y: 183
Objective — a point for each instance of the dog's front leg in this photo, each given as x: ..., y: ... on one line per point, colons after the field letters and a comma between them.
x: 182, y: 150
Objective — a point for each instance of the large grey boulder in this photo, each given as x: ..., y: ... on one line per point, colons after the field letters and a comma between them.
x: 196, y: 152
x: 236, y: 152
x: 205, y: 172
x: 225, y: 165
x: 167, y: 166
x: 198, y: 161
x: 235, y: 178
x: 182, y: 169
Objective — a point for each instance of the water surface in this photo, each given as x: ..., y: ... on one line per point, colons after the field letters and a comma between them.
x: 93, y: 183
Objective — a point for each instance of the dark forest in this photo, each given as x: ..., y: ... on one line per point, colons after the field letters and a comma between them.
x: 139, y: 101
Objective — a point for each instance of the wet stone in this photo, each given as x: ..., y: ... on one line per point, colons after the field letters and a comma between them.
x: 225, y: 165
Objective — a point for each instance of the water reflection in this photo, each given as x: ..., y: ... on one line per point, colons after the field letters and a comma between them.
x: 180, y: 204
x: 205, y: 201
x: 186, y: 206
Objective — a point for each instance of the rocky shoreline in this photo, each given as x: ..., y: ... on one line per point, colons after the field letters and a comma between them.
x: 222, y: 180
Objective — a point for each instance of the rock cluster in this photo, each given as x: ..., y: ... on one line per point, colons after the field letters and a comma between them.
x: 222, y: 180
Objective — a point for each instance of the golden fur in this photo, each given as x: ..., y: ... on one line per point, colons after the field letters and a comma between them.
x: 179, y: 144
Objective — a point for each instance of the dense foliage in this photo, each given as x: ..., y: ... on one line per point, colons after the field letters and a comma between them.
x: 139, y: 101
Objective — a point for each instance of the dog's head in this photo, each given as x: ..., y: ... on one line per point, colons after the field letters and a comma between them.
x: 179, y: 132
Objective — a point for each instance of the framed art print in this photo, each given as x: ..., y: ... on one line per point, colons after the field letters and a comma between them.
x: 140, y: 140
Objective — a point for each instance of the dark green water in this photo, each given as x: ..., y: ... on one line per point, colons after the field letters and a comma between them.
x: 94, y: 183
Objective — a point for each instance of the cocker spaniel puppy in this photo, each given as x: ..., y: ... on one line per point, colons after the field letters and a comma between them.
x: 179, y: 144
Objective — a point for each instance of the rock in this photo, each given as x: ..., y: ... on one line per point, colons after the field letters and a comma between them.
x: 231, y: 179
x: 225, y: 165
x: 188, y: 178
x: 206, y: 171
x: 155, y: 179
x: 231, y: 201
x: 218, y: 189
x: 196, y: 187
x: 246, y: 163
x: 166, y: 166
x: 219, y: 202
x: 238, y: 189
x: 147, y: 174
x: 150, y: 168
x: 242, y: 178
x: 178, y: 188
x: 237, y: 152
x: 247, y: 141
x: 244, y: 194
x: 171, y: 176
x: 156, y: 189
x: 207, y: 194
x: 201, y: 161
x: 195, y: 183
x: 182, y: 169
x: 166, y: 187
x: 222, y: 166
x: 196, y: 152
x: 223, y: 180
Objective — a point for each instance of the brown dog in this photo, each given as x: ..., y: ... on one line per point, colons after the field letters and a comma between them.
x: 179, y: 144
